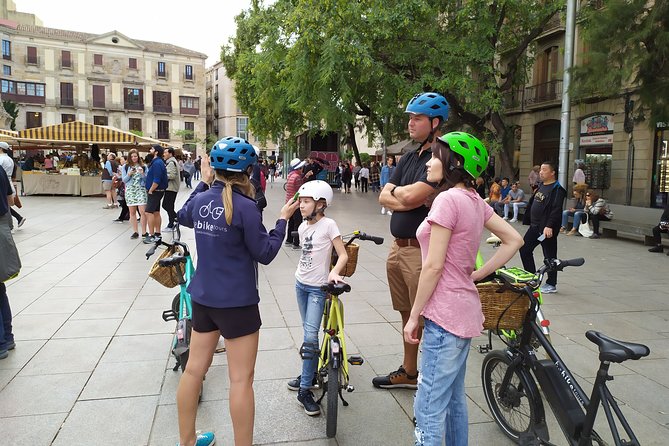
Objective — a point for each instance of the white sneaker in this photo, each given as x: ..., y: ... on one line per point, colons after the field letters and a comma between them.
x: 389, y: 212
x: 548, y: 289
x: 383, y: 211
x: 505, y: 217
x: 513, y: 220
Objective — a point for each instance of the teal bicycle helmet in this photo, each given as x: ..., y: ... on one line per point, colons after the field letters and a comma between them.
x: 472, y: 151
x: 430, y: 104
x: 232, y: 154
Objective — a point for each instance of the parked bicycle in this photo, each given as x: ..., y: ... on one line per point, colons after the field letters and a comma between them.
x: 514, y: 398
x: 333, y: 376
x: 180, y: 265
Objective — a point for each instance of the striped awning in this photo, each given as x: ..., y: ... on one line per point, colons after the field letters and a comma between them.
x: 77, y: 132
x: 8, y: 135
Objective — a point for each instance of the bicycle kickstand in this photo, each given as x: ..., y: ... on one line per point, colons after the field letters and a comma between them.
x: 344, y: 402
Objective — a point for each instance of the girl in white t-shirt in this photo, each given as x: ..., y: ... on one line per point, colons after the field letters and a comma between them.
x: 318, y: 235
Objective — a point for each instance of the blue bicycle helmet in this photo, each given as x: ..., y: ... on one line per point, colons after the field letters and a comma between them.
x: 433, y: 105
x: 232, y: 154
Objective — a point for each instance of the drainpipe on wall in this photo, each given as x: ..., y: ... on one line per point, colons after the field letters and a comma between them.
x: 629, y: 129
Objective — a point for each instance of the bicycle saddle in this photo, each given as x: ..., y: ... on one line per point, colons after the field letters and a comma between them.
x: 172, y: 260
x: 616, y: 351
x: 336, y: 288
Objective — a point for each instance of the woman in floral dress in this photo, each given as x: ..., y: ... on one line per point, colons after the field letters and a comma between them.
x: 135, y: 191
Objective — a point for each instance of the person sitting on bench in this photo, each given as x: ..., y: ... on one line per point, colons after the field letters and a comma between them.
x: 663, y: 226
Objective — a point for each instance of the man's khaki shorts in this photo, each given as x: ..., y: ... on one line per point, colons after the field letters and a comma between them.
x: 403, y: 268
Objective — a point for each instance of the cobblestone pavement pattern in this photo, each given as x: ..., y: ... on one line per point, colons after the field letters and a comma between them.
x: 92, y: 365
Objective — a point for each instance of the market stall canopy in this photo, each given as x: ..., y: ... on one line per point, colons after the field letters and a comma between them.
x: 77, y: 132
x: 6, y: 135
x: 399, y: 148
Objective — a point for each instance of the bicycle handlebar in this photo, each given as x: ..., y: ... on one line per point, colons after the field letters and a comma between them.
x: 373, y: 238
x: 550, y: 265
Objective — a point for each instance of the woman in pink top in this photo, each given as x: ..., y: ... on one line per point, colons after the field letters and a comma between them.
x: 447, y: 297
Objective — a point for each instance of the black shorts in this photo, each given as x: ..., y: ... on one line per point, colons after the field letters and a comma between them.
x: 153, y: 203
x: 231, y: 322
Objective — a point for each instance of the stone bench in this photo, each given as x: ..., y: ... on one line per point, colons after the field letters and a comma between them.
x: 632, y: 220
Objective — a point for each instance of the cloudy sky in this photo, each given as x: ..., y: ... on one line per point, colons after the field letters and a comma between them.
x: 200, y: 25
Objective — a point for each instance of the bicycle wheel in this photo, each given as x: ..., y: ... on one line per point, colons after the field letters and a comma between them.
x: 333, y: 395
x: 521, y: 408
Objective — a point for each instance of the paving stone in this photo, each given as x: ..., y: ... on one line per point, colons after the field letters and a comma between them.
x: 124, y: 379
x: 211, y: 416
x: 87, y: 328
x: 23, y: 353
x: 33, y: 429
x: 132, y: 420
x: 51, y: 306
x: 101, y: 311
x: 67, y: 356
x: 138, y: 348
x: 144, y: 322
x: 37, y: 326
x: 44, y: 394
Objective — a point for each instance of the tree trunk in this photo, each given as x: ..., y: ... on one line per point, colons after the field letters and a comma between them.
x: 354, y: 145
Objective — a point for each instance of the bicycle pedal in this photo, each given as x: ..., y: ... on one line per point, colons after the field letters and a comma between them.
x: 350, y: 388
x: 355, y: 360
x: 483, y: 348
x: 169, y: 315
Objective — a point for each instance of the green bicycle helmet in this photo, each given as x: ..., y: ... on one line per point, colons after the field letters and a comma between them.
x: 470, y: 149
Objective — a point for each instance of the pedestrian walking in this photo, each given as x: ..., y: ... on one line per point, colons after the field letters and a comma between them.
x: 364, y: 177
x: 293, y: 184
x: 405, y: 194
x: 544, y: 216
x: 386, y: 173
x: 108, y: 174
x: 119, y: 186
x: 356, y: 175
x: 9, y: 166
x: 447, y: 297
x: 230, y: 240
x: 155, y: 184
x: 136, y: 196
x: 198, y: 166
x: 173, y: 183
x: 189, y: 172
x: 374, y: 177
x: 10, y: 264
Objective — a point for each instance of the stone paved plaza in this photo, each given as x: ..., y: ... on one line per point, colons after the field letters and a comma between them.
x: 92, y: 363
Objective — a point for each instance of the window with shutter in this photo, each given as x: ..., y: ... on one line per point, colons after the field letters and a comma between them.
x: 31, y: 58
x: 65, y: 59
x: 99, y: 96
x: 132, y: 63
x: 66, y: 94
x: 97, y: 59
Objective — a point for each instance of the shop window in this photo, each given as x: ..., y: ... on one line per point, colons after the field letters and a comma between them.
x: 660, y: 186
x: 65, y: 117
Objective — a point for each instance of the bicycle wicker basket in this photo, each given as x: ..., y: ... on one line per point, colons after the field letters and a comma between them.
x: 352, y: 252
x: 167, y: 276
x: 502, y: 308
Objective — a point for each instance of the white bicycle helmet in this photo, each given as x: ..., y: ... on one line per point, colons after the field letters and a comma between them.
x: 318, y: 190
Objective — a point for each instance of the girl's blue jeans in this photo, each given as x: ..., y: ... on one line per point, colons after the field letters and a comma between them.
x: 441, y: 405
x: 311, y: 302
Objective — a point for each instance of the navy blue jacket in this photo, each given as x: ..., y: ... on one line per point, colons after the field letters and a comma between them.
x: 156, y: 173
x: 227, y: 270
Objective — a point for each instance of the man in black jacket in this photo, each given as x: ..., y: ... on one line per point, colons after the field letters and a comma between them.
x: 544, y: 212
x: 663, y: 226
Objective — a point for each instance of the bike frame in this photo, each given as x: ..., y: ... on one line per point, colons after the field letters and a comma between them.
x: 333, y: 323
x: 524, y: 358
x: 185, y: 303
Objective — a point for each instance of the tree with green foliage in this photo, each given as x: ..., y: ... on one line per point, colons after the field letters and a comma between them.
x: 336, y: 64
x: 12, y: 109
x: 627, y: 45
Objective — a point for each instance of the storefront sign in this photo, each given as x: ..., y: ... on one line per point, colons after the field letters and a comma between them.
x: 597, y: 130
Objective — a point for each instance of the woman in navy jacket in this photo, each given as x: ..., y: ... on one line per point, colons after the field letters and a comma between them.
x: 231, y: 240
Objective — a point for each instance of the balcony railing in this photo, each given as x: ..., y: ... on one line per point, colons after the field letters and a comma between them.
x: 542, y: 93
x: 162, y: 108
x: 190, y: 111
x: 161, y: 74
x: 533, y: 96
x: 67, y: 102
x: 128, y: 106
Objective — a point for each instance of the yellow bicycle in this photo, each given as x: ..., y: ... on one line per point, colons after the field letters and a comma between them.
x: 333, y: 362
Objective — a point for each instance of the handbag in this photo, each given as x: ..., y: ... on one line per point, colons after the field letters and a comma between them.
x: 584, y: 227
x: 17, y: 201
x: 10, y: 263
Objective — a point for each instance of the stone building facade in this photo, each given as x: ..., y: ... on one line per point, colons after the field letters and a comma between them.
x: 626, y: 167
x: 155, y: 89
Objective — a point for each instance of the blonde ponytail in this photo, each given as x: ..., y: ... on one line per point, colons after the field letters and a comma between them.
x: 231, y: 179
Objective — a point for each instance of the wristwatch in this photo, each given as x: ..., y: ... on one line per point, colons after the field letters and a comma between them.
x: 392, y: 191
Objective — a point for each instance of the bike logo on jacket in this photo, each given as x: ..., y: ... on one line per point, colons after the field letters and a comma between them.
x: 207, y: 210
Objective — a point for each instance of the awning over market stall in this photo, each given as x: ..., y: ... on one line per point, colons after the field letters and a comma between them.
x: 6, y: 135
x: 77, y: 132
